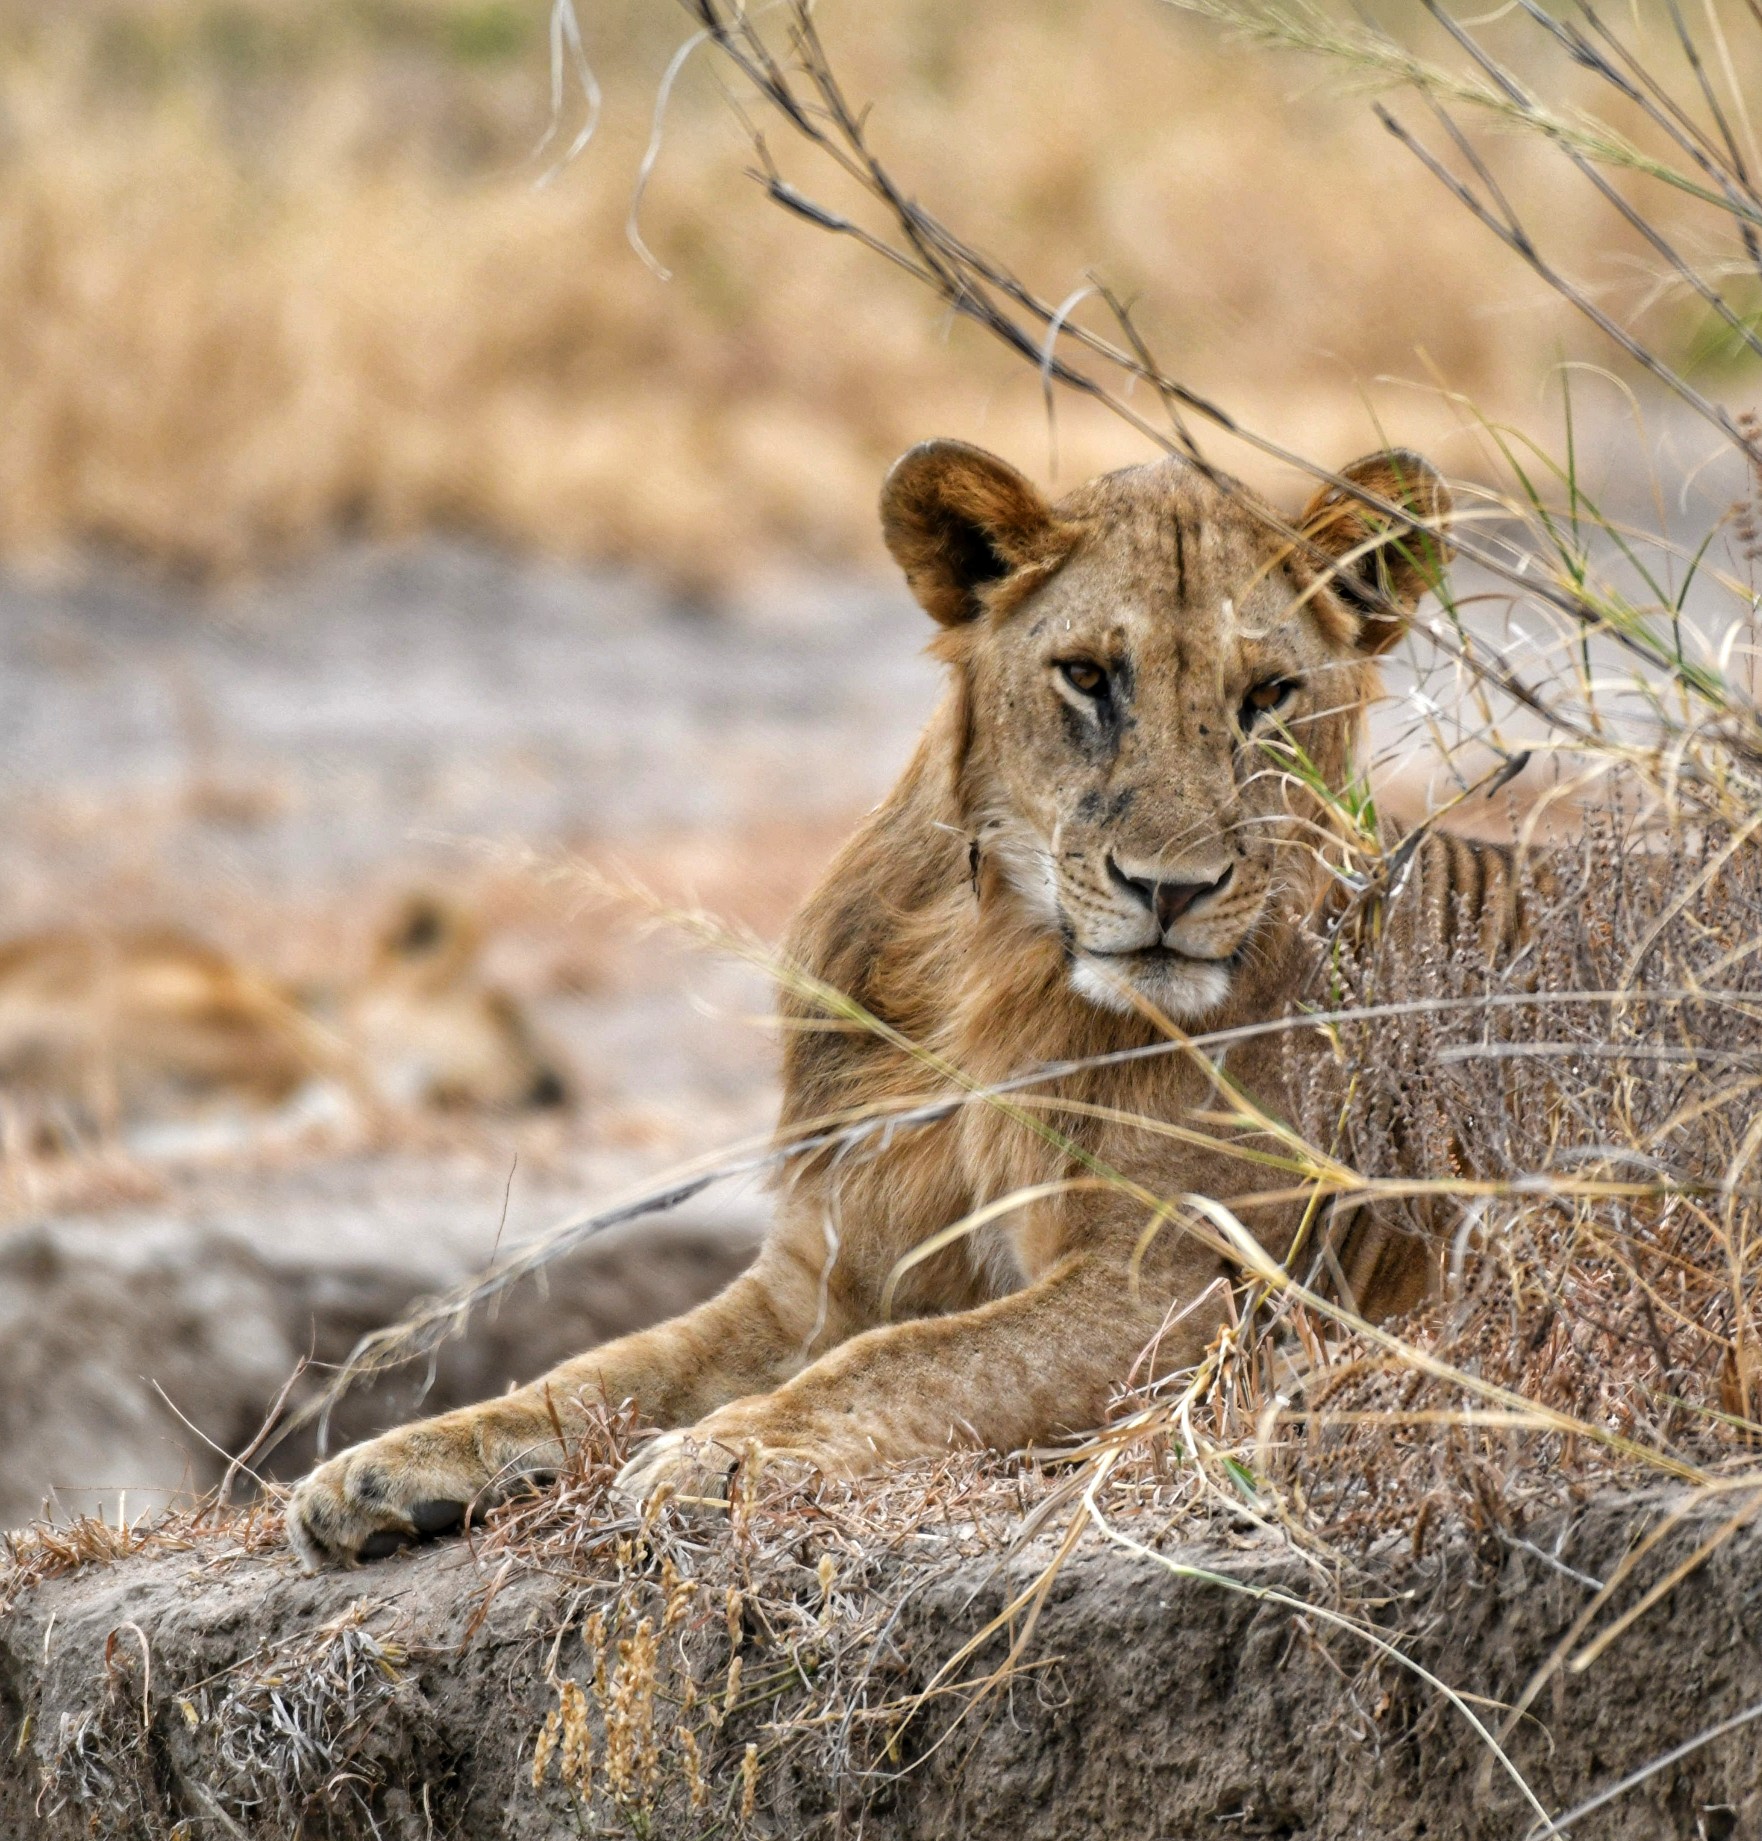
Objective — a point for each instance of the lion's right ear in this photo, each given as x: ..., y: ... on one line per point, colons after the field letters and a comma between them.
x: 1383, y: 566
x: 957, y: 518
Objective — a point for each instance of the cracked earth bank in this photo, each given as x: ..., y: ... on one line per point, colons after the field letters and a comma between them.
x: 214, y: 1690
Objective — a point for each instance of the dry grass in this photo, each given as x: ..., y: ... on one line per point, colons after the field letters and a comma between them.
x: 270, y: 273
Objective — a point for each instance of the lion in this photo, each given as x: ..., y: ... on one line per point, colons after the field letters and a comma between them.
x: 430, y: 1031
x: 103, y: 1033
x: 151, y: 1036
x: 1090, y: 848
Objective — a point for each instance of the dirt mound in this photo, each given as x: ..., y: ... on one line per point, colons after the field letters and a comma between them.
x: 207, y: 1682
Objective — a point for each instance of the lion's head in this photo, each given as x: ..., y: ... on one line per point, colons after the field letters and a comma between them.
x: 433, y: 1031
x: 1125, y: 657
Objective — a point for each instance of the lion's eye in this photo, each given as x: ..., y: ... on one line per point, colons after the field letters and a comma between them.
x: 1268, y: 695
x: 1084, y: 676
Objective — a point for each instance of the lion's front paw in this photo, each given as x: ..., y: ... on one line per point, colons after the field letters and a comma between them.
x: 696, y: 1465
x: 379, y: 1496
x: 693, y: 1468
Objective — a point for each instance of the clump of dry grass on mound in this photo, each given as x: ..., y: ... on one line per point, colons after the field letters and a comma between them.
x: 683, y: 1658
x: 268, y: 274
x: 681, y: 1674
x: 1583, y: 1122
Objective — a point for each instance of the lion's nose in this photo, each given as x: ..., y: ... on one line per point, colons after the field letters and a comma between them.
x: 1168, y: 901
x: 548, y: 1088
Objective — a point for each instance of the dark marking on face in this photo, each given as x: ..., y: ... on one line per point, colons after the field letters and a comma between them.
x: 1122, y: 682
x: 1121, y: 803
x: 1092, y: 735
x: 1096, y: 727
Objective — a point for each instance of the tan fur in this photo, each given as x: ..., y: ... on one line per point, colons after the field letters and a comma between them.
x: 99, y: 1031
x: 1026, y: 895
x: 119, y: 1032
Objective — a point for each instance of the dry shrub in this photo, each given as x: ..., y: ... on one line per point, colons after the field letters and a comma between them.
x: 303, y: 1729
x: 1620, y: 1050
x: 300, y: 1734
x: 268, y: 274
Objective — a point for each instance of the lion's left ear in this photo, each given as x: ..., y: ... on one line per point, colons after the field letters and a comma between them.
x: 1376, y: 555
x: 428, y: 931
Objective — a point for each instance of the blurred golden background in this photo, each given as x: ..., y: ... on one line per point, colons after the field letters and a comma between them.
x: 275, y: 273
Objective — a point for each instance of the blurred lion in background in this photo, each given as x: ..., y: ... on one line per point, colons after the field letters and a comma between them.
x: 151, y: 1037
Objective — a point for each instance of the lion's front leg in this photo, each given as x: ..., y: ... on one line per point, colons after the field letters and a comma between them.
x: 1038, y: 1364
x: 424, y: 1478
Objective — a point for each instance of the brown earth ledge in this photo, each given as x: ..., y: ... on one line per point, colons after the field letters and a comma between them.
x: 140, y: 1697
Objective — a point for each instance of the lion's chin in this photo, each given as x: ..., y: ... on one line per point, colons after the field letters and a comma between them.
x: 1182, y: 989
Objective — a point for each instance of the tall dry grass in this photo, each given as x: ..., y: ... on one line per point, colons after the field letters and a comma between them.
x: 270, y: 273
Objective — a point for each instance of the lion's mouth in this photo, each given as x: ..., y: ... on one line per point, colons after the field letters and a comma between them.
x: 1149, y: 956
x: 1182, y: 985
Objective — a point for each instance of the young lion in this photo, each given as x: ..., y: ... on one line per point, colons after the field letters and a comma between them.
x: 1087, y: 846
x: 154, y: 1037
